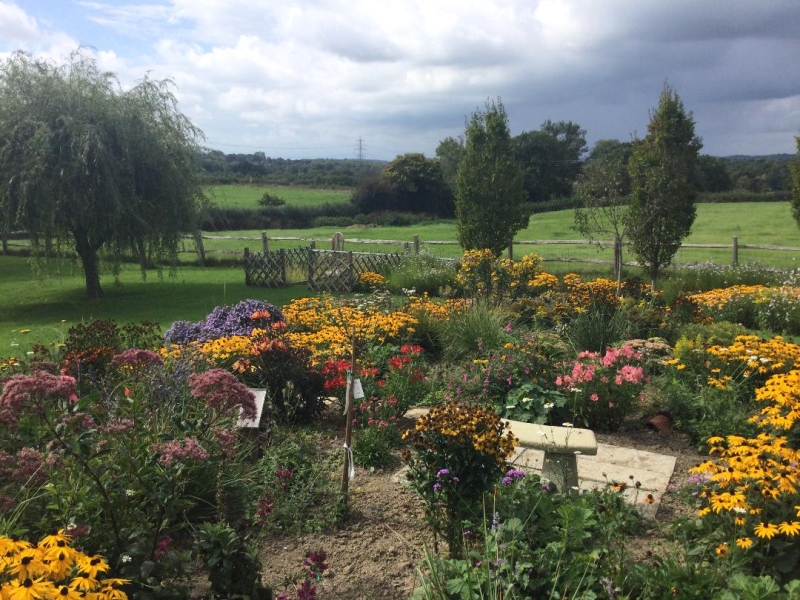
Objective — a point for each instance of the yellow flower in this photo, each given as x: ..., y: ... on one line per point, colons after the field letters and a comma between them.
x: 722, y: 549
x: 791, y: 529
x: 766, y: 530
x: 744, y: 543
x: 31, y: 589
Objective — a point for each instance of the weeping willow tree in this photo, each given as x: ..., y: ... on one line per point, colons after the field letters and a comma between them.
x: 91, y: 166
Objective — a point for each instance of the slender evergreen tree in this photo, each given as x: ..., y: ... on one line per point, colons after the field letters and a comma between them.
x: 489, y: 195
x: 663, y: 196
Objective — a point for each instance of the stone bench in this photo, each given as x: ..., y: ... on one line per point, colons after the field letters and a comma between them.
x: 561, y: 446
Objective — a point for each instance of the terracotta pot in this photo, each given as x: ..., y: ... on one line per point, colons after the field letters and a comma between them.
x: 661, y: 423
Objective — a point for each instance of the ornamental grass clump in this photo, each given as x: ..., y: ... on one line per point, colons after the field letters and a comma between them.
x: 459, y: 453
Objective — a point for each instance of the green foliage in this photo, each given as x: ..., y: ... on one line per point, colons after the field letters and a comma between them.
x: 373, y: 447
x: 419, y: 185
x: 268, y: 199
x: 533, y: 543
x: 92, y: 166
x: 795, y: 172
x: 550, y: 159
x: 449, y: 152
x: 295, y: 490
x: 663, y: 196
x: 233, y: 567
x: 531, y: 403
x: 423, y: 273
x: 489, y: 194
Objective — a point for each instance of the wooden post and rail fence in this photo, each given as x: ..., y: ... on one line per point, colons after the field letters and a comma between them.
x: 19, y: 240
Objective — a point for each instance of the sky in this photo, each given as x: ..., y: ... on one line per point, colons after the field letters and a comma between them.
x: 332, y: 78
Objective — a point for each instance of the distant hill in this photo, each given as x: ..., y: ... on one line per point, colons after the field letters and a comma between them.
x: 218, y: 167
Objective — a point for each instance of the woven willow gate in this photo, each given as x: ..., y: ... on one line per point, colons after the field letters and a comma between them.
x: 272, y: 269
x: 325, y: 270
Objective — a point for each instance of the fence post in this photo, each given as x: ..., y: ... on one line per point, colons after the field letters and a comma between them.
x: 511, y: 250
x: 311, y: 259
x: 351, y: 270
x: 313, y: 245
x: 735, y: 247
x: 247, y: 280
x: 201, y: 251
x: 416, y: 245
x: 282, y: 257
x: 264, y: 242
x: 4, y: 236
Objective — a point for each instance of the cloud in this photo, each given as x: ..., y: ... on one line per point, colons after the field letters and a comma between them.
x: 403, y: 74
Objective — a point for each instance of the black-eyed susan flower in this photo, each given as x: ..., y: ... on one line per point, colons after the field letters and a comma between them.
x: 791, y: 529
x: 766, y: 530
x: 745, y: 543
x: 31, y: 589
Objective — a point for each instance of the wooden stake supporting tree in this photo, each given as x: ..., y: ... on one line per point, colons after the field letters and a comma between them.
x: 348, y: 435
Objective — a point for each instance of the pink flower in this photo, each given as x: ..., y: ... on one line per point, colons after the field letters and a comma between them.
x: 23, y: 393
x: 220, y: 390
x: 594, y: 397
x: 135, y: 357
x: 179, y: 450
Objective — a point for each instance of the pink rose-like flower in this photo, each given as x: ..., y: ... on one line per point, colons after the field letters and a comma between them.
x: 594, y: 397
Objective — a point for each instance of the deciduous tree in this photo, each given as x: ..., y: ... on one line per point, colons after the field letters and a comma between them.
x: 489, y: 196
x: 98, y: 168
x: 663, y: 196
x: 604, y: 192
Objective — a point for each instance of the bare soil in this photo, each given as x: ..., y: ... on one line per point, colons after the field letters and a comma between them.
x: 376, y: 554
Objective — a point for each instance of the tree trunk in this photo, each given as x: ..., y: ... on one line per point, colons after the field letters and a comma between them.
x: 87, y: 252
x: 618, y: 264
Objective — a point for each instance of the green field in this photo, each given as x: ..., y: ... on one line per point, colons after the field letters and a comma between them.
x: 49, y: 305
x: 753, y: 223
x: 246, y: 196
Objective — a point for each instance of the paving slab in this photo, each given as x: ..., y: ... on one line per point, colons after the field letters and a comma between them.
x: 616, y: 466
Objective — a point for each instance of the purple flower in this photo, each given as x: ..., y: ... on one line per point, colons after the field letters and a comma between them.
x: 136, y: 358
x: 225, y: 321
x: 437, y: 487
x: 442, y: 473
x: 456, y: 480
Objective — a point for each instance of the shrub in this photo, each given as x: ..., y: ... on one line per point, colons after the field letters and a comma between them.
x: 603, y: 388
x: 459, y: 454
x: 268, y: 199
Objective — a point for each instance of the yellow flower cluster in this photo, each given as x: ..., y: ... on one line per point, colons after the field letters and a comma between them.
x: 423, y: 306
x: 371, y: 280
x: 749, y: 355
x: 483, y: 273
x: 584, y: 294
x: 719, y: 299
x: 467, y: 424
x: 325, y: 326
x: 51, y: 570
x: 755, y: 480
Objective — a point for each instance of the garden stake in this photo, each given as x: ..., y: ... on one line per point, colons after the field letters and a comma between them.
x: 348, y: 435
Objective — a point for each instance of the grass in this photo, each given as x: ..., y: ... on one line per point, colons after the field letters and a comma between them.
x: 42, y: 304
x: 246, y: 196
x: 753, y: 223
x: 49, y: 307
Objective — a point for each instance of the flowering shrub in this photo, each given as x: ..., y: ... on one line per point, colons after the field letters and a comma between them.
x: 225, y: 321
x: 529, y: 360
x: 481, y: 273
x: 603, y: 387
x: 53, y: 569
x: 459, y: 453
x: 124, y: 467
